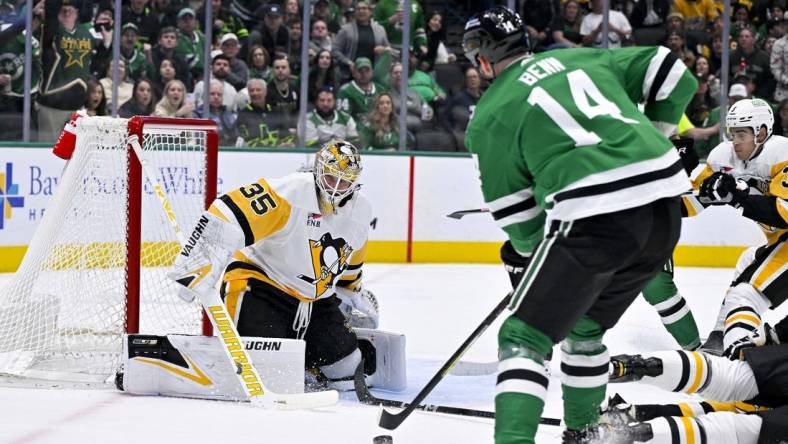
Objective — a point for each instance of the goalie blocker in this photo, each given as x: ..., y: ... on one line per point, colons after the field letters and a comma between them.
x: 194, y: 366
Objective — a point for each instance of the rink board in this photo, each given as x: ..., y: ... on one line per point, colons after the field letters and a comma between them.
x: 410, y: 194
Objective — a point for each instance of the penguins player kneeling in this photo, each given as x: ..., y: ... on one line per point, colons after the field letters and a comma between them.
x: 289, y: 254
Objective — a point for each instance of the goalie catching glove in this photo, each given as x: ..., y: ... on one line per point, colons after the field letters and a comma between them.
x: 199, y: 264
x: 360, y: 307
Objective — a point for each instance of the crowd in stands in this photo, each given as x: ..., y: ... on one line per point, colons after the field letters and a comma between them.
x: 354, y: 53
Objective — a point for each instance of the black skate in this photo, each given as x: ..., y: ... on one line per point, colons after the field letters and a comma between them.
x: 713, y: 344
x: 610, y: 434
x: 628, y: 368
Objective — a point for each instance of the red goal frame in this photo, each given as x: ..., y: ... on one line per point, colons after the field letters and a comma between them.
x: 137, y: 125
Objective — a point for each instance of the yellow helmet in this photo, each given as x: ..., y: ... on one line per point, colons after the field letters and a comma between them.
x: 337, y: 170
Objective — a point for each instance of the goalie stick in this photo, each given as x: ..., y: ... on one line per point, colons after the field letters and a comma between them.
x: 461, y: 213
x: 365, y: 397
x: 243, y: 367
x: 391, y: 421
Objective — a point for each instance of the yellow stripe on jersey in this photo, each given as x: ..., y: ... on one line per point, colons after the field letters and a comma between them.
x: 258, y: 209
x: 742, y: 317
x: 352, y: 278
x: 778, y: 186
x: 686, y: 410
x: 777, y: 260
x: 254, y: 272
x: 233, y: 296
x: 692, y: 205
x: 216, y: 212
x: 703, y: 175
x: 689, y: 429
x: 700, y: 363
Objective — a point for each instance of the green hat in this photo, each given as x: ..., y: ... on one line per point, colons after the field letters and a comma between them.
x: 363, y: 62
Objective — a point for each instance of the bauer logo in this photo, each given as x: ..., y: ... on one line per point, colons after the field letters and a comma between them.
x: 9, y: 194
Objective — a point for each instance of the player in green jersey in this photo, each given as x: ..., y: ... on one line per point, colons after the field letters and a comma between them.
x: 561, y: 144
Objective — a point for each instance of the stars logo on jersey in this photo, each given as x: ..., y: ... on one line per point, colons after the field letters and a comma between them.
x: 330, y: 259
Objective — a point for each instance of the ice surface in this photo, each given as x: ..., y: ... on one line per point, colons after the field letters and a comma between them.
x: 435, y: 306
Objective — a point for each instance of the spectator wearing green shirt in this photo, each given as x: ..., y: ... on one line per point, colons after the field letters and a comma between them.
x: 136, y: 64
x: 259, y: 64
x: 389, y: 13
x: 423, y: 83
x: 191, y: 42
x: 326, y: 122
x: 356, y: 96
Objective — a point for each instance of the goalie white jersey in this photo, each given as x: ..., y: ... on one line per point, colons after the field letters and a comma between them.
x: 286, y: 241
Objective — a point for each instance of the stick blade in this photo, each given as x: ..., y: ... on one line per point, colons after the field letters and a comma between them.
x: 390, y: 421
x: 461, y: 213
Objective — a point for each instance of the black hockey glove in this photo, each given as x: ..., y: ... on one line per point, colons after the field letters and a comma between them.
x: 686, y: 148
x: 723, y: 189
x: 514, y: 263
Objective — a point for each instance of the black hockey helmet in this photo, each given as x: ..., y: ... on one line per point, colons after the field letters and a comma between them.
x: 496, y: 34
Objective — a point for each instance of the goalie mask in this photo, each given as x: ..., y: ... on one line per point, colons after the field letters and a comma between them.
x: 337, y: 170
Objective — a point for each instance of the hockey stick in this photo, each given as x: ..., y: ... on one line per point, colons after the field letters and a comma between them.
x: 459, y: 214
x: 365, y: 397
x: 239, y: 359
x: 391, y: 421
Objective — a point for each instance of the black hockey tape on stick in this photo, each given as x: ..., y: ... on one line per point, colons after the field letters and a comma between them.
x: 461, y: 213
x: 365, y: 397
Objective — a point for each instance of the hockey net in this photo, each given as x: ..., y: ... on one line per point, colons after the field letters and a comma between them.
x: 96, y: 266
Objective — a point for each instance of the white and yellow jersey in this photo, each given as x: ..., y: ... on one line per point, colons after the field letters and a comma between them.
x: 289, y: 244
x: 767, y: 172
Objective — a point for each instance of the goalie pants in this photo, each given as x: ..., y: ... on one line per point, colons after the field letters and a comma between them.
x: 262, y: 310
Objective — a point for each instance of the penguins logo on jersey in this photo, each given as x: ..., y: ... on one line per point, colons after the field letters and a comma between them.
x: 330, y: 258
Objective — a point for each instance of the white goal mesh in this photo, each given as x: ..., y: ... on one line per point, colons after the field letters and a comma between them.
x: 64, y: 313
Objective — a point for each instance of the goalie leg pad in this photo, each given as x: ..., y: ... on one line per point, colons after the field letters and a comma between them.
x: 384, y: 358
x: 196, y: 366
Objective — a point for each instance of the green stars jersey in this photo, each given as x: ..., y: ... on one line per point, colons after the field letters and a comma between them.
x: 12, y: 62
x: 559, y: 136
x: 355, y: 101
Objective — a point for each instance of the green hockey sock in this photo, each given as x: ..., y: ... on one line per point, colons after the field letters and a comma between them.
x: 584, y: 368
x: 673, y: 310
x: 522, y: 382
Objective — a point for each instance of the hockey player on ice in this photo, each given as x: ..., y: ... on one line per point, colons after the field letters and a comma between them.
x: 289, y: 254
x: 749, y: 171
x: 760, y: 378
x: 561, y: 144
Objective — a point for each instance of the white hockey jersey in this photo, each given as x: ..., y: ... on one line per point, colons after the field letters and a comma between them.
x: 289, y: 244
x: 767, y: 172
